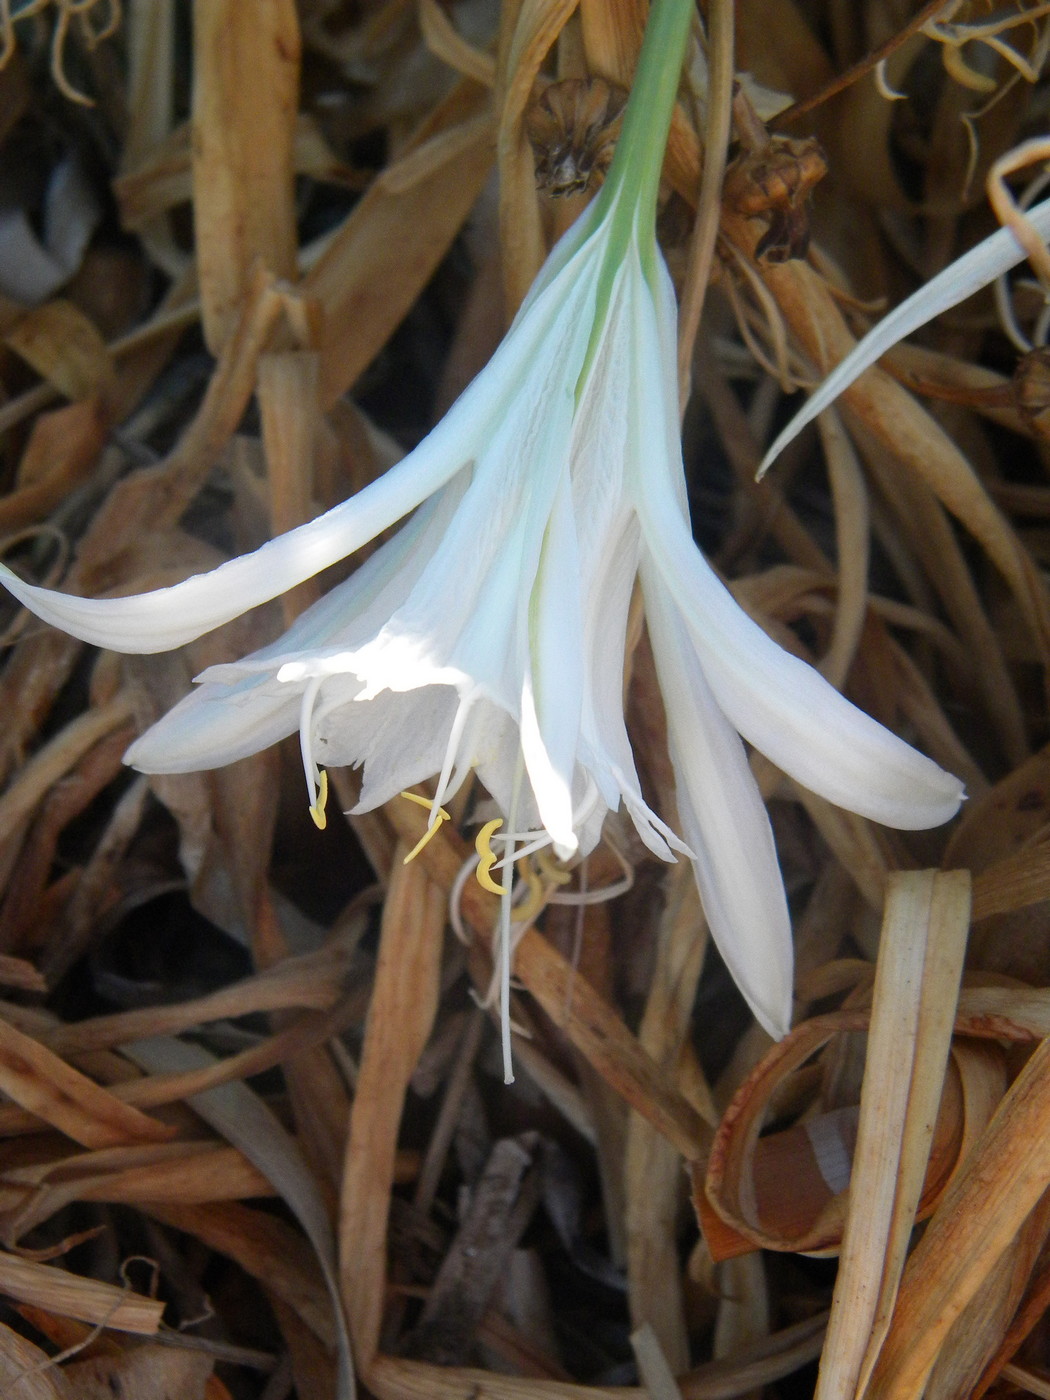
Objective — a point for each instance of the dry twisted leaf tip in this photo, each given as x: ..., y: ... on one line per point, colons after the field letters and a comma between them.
x: 573, y: 128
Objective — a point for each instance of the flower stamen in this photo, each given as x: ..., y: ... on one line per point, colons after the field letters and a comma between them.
x: 449, y: 782
x: 317, y: 811
x: 535, y: 899
x: 483, y: 846
x: 437, y: 816
x: 316, y: 778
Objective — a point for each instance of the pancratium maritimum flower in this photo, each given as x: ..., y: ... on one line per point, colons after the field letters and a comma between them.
x: 489, y: 632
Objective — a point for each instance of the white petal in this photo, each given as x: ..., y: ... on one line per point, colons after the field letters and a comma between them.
x: 399, y: 737
x: 517, y: 376
x: 959, y: 280
x: 216, y: 725
x: 553, y: 694
x: 778, y: 703
x: 168, y: 617
x: 724, y: 820
x: 354, y: 611
x: 790, y: 712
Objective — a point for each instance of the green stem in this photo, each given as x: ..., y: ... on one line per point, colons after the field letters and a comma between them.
x: 638, y: 160
x: 626, y: 207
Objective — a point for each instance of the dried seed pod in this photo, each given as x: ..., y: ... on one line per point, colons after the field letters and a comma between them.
x: 573, y: 128
x: 1031, y: 386
x: 776, y: 183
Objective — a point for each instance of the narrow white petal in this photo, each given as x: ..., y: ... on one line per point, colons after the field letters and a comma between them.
x: 960, y: 279
x: 168, y: 617
x: 213, y: 726
x: 399, y: 737
x: 550, y: 717
x: 778, y: 703
x: 724, y: 820
x: 552, y: 791
x: 790, y: 712
x: 608, y: 549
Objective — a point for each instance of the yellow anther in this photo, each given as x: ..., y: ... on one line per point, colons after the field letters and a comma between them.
x: 526, y: 911
x: 483, y: 846
x: 550, y: 868
x: 317, y: 810
x: 442, y: 816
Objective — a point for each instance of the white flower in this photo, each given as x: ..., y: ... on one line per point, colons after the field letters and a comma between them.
x: 489, y: 632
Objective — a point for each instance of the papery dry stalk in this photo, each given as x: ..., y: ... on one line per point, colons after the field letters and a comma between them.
x: 921, y: 952
x: 525, y: 43
x: 404, y: 1001
x: 73, y: 1296
x: 652, y: 1167
x: 383, y: 255
x: 243, y: 172
x: 980, y: 1214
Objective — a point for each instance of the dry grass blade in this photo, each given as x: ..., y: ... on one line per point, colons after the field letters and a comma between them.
x: 267, y: 1249
x: 907, y: 431
x: 921, y: 952
x: 36, y: 1078
x: 852, y: 536
x: 377, y: 263
x: 82, y: 1298
x: 652, y: 1166
x: 289, y: 405
x: 536, y: 26
x: 312, y: 981
x: 403, y: 1003
x: 180, y: 1173
x: 243, y: 171
x: 26, y: 1372
x: 985, y: 1206
x: 244, y: 1120
x: 717, y: 135
x: 58, y: 757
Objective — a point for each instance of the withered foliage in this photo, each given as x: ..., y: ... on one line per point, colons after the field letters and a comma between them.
x: 251, y: 1110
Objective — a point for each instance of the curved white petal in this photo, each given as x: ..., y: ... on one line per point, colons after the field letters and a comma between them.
x: 778, y: 703
x: 724, y: 820
x: 169, y: 617
x: 959, y: 280
x: 215, y: 725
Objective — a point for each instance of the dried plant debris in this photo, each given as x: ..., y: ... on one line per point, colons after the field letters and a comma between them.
x: 256, y: 1139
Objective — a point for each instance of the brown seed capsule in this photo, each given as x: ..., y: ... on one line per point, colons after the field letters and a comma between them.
x: 776, y: 183
x: 1031, y: 384
x: 573, y: 128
